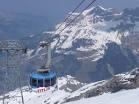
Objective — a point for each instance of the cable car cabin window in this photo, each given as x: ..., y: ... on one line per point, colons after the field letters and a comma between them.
x: 47, y: 82
x: 33, y: 82
x: 30, y: 81
x: 53, y: 81
x: 40, y: 83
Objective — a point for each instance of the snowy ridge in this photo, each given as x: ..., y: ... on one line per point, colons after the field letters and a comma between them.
x: 88, y: 93
x: 129, y: 80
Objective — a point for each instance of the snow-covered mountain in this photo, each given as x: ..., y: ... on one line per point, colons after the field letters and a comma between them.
x: 123, y: 87
x: 97, y: 43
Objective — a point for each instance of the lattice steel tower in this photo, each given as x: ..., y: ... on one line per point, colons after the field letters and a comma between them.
x: 12, y: 51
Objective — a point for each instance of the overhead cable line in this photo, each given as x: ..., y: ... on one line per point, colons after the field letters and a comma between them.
x: 72, y: 12
x: 92, y: 2
x: 78, y: 15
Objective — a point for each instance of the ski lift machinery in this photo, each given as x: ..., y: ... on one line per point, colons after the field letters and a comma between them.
x: 44, y: 78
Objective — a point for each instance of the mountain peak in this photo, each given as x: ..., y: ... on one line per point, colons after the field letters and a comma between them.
x: 99, y: 7
x: 100, y: 11
x: 94, y: 9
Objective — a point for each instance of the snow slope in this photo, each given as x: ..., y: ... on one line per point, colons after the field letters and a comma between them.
x: 122, y: 97
x: 79, y: 96
x: 34, y: 97
x: 66, y: 85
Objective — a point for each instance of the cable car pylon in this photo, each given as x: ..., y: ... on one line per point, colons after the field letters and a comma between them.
x: 12, y: 48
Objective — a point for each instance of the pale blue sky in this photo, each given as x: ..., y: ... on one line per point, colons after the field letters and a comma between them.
x: 57, y: 9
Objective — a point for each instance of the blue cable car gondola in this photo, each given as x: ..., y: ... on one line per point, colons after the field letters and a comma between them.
x: 44, y: 77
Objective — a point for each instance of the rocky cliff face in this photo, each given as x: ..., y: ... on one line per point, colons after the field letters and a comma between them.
x: 95, y: 44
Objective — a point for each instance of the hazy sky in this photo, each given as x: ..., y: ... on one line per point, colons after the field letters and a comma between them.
x: 57, y: 9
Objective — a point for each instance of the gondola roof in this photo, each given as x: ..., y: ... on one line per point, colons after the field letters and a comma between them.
x: 48, y: 75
